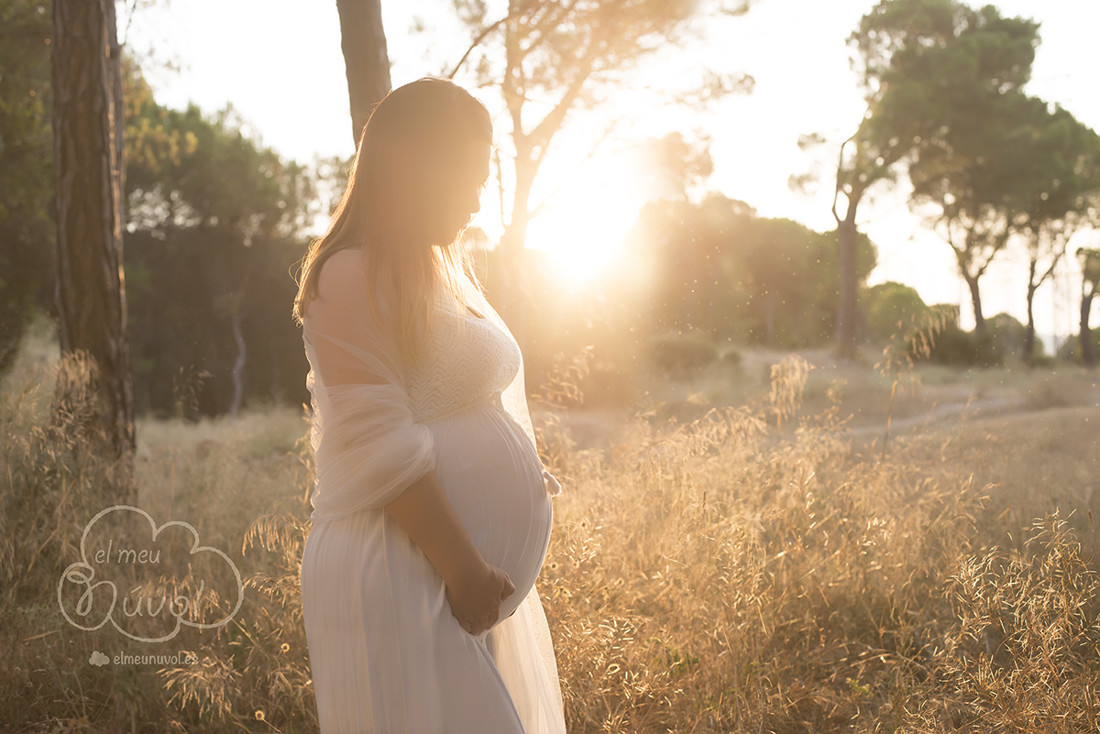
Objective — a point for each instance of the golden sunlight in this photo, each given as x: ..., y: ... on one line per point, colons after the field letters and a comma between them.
x: 583, y: 226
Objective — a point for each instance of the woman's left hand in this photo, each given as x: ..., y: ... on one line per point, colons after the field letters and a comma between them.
x: 475, y: 597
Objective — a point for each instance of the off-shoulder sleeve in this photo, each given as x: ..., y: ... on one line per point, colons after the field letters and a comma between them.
x: 367, y: 447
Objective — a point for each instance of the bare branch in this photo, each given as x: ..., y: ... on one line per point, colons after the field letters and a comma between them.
x: 839, y: 168
x: 477, y: 42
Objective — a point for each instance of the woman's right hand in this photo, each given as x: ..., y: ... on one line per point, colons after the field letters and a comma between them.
x: 475, y: 597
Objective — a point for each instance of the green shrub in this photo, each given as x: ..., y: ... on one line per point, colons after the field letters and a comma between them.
x: 960, y: 348
x: 889, y: 306
x: 1002, y: 342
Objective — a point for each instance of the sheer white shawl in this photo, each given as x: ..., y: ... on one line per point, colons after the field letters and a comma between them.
x: 367, y: 444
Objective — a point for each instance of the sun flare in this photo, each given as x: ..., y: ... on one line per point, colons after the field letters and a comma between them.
x: 584, y: 227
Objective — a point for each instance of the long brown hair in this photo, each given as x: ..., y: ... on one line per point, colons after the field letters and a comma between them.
x: 406, y: 160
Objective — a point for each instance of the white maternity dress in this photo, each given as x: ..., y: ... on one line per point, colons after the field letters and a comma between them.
x: 387, y: 655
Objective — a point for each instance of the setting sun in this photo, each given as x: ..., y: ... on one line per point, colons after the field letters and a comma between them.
x: 583, y: 228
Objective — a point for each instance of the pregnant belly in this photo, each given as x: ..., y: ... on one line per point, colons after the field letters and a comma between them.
x: 493, y: 477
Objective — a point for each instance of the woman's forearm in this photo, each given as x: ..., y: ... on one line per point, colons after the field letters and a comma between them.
x: 475, y: 589
x: 427, y: 516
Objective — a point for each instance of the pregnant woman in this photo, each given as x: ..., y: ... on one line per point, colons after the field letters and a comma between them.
x: 431, y: 509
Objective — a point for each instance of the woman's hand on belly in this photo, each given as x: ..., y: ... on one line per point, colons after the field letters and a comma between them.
x: 475, y: 588
x: 475, y: 597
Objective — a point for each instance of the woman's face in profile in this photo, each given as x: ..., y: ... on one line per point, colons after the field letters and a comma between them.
x: 462, y: 178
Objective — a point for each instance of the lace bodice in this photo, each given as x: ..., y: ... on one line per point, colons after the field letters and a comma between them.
x: 468, y: 360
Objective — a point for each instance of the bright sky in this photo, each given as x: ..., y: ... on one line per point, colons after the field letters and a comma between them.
x: 282, y: 69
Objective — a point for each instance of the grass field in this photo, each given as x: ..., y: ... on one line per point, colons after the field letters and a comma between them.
x: 734, y: 554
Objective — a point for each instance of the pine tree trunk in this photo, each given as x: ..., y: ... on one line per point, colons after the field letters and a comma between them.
x: 366, y: 58
x: 847, y: 337
x: 1084, y: 333
x: 846, y: 311
x: 90, y: 292
x: 976, y: 303
x: 1029, y: 335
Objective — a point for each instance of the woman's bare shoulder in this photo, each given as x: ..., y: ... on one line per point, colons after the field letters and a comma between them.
x: 347, y: 255
x: 343, y: 284
x: 341, y: 274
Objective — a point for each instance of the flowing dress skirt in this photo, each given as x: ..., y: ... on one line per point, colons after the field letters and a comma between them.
x: 386, y: 653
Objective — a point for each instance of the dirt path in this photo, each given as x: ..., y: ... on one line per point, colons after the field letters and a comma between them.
x: 970, y: 397
x: 975, y: 408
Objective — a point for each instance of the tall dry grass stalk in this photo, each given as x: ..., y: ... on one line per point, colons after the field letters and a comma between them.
x: 788, y: 380
x: 912, y: 340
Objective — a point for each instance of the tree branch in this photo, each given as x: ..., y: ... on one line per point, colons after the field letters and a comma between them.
x: 839, y: 168
x: 477, y: 42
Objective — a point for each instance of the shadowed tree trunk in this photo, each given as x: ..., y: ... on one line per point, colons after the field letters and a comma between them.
x: 1085, y: 334
x: 975, y: 302
x: 90, y: 293
x: 238, y: 314
x: 1029, y: 335
x: 974, y: 256
x: 366, y: 59
x: 846, y: 333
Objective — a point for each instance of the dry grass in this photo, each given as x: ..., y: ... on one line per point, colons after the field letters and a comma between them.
x: 761, y: 567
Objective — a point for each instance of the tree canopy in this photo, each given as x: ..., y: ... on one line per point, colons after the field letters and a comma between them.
x: 932, y: 73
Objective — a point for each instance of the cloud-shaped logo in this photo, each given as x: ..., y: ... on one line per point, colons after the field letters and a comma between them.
x: 162, y: 576
x: 98, y: 659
